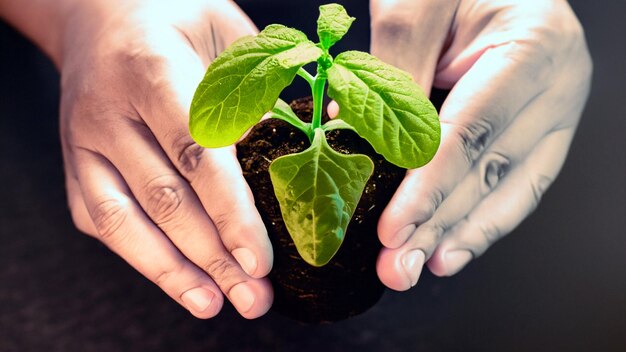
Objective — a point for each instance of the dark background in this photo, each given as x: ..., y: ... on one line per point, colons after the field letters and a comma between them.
x: 556, y: 283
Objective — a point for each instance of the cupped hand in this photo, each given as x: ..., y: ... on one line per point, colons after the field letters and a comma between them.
x: 519, y: 74
x: 182, y: 215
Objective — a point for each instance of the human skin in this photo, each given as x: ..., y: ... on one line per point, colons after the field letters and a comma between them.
x: 519, y: 74
x: 181, y: 215
x: 184, y: 217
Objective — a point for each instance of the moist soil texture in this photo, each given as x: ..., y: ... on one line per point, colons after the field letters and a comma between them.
x: 348, y: 284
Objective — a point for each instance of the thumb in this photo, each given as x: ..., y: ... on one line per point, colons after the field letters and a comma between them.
x: 410, y: 34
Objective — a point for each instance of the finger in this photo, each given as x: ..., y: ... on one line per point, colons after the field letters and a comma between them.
x: 397, y: 268
x: 216, y: 178
x: 515, y: 196
x: 174, y: 207
x: 410, y: 34
x: 215, y: 174
x: 75, y: 201
x: 506, y: 153
x: 332, y: 109
x: 505, y: 208
x: 478, y: 109
x: 124, y: 228
x: 78, y: 208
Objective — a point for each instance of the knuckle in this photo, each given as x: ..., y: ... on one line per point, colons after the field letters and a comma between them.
x: 164, y: 195
x: 108, y: 217
x: 473, y: 138
x: 236, y: 227
x: 394, y: 26
x: 223, y: 270
x: 187, y: 154
x: 424, y: 210
x: 145, y: 66
x: 167, y: 275
x: 222, y: 221
x: 495, y: 168
x: 437, y: 196
x: 532, y: 57
x: 428, y: 236
x: 435, y: 231
x: 564, y: 24
x: 489, y: 232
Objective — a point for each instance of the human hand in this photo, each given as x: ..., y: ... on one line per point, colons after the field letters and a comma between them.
x: 181, y: 215
x: 520, y: 75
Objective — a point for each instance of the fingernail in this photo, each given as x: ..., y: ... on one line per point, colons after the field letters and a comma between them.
x: 246, y: 259
x: 412, y: 262
x: 197, y: 299
x: 456, y: 260
x: 332, y: 109
x: 403, y: 235
x: 242, y: 297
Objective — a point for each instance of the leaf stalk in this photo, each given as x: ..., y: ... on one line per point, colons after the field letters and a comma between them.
x: 307, y: 76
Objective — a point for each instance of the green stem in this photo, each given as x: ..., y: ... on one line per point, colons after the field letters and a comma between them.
x: 318, y: 98
x: 307, y: 76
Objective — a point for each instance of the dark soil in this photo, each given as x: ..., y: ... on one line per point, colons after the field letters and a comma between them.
x: 348, y: 284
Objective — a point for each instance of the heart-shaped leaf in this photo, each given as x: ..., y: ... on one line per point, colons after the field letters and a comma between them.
x: 244, y: 82
x: 386, y: 107
x: 318, y: 191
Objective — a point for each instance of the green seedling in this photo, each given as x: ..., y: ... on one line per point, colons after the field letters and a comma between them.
x: 317, y: 189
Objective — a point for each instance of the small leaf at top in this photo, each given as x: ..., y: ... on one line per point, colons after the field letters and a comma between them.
x: 244, y: 82
x: 386, y: 107
x: 318, y: 191
x: 332, y: 24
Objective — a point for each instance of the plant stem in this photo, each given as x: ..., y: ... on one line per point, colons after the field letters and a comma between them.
x: 307, y: 76
x: 318, y: 98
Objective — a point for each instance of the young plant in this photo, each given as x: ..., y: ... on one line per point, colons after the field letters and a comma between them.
x: 319, y: 188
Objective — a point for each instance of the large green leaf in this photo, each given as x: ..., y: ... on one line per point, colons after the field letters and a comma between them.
x: 244, y: 82
x: 386, y: 107
x: 332, y: 24
x: 318, y: 190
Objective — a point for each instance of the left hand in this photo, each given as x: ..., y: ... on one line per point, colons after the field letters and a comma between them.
x: 520, y: 75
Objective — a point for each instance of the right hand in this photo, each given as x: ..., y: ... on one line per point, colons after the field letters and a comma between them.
x: 182, y: 215
x: 519, y: 74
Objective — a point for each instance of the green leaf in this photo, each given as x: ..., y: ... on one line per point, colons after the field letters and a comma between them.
x: 318, y: 190
x: 244, y: 82
x: 283, y: 112
x: 386, y: 107
x: 332, y: 24
x: 337, y: 124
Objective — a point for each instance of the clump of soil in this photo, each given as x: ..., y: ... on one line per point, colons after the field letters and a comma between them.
x: 348, y: 284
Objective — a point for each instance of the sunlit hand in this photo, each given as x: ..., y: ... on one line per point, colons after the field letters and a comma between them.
x: 181, y: 215
x: 520, y: 75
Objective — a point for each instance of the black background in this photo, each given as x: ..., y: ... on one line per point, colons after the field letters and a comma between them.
x: 557, y: 283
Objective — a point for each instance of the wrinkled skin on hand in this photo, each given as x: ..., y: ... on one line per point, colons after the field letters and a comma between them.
x: 182, y: 215
x: 520, y: 74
